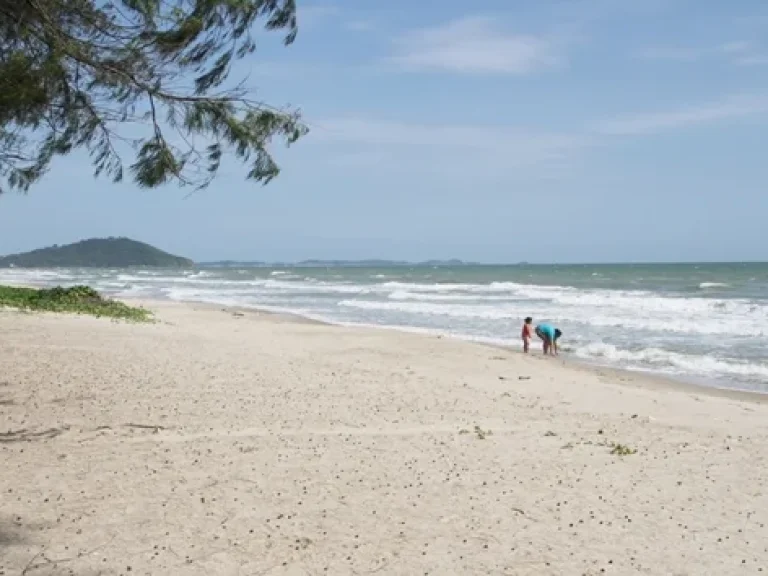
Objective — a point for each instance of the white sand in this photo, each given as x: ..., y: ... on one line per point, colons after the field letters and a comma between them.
x: 215, y: 444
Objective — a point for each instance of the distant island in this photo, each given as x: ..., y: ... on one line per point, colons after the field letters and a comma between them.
x: 96, y: 253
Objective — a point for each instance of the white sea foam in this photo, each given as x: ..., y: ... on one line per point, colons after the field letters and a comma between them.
x: 196, y: 275
x: 433, y: 309
x: 672, y: 362
x: 653, y: 316
x: 450, y: 297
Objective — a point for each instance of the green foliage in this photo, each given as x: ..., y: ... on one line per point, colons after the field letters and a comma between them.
x: 140, y: 75
x: 622, y: 450
x: 76, y: 300
x: 96, y: 253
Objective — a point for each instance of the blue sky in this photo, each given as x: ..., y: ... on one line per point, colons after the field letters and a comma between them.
x: 547, y: 131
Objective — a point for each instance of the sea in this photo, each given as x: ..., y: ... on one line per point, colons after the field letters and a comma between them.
x: 702, y: 323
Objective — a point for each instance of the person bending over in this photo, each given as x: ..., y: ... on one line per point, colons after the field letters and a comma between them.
x: 549, y: 336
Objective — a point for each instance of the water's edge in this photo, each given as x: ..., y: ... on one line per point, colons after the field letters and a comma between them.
x: 619, y: 376
x: 701, y: 324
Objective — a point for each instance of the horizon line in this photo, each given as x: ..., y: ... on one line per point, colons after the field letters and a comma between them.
x: 458, y: 261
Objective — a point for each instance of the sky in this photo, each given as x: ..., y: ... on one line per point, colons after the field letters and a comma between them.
x: 491, y: 131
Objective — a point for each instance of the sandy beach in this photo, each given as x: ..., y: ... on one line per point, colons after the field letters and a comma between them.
x: 219, y: 442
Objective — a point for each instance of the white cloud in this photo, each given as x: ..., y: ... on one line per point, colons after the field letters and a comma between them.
x: 473, y: 45
x: 655, y: 122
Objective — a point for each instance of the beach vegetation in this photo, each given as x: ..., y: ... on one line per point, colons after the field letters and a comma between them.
x: 622, y: 450
x: 148, y: 79
x: 73, y: 300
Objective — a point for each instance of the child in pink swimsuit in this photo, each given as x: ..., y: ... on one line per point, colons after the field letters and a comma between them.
x: 527, y: 334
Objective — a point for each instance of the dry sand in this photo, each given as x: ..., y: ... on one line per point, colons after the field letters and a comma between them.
x: 221, y: 444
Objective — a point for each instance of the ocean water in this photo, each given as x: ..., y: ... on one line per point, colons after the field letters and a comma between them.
x: 706, y: 323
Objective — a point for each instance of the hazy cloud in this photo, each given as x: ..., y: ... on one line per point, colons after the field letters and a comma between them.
x: 473, y: 45
x: 510, y: 146
x: 655, y: 122
x: 737, y: 52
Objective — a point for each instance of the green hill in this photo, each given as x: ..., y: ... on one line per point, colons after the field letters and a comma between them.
x: 96, y: 253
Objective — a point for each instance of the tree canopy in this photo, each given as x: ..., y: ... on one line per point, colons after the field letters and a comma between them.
x: 150, y: 77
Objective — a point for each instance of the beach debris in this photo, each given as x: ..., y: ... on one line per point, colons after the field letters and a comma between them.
x: 25, y: 435
x: 523, y: 377
x: 622, y: 449
x: 303, y: 543
x: 154, y: 427
x: 481, y: 434
x: 550, y: 433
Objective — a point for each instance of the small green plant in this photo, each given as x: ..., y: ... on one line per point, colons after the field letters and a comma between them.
x: 73, y: 300
x: 622, y: 450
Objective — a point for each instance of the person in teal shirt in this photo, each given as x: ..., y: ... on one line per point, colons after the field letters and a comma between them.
x: 549, y: 335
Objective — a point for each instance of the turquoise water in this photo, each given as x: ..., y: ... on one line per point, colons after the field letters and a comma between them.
x: 702, y: 322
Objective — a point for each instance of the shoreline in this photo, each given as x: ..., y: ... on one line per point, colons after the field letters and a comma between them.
x: 723, y: 381
x: 659, y: 381
x: 655, y: 379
